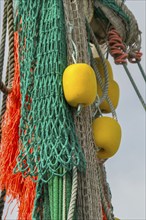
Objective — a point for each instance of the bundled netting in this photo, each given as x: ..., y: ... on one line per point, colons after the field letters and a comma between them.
x: 50, y: 143
x: 47, y: 134
x: 90, y: 205
x: 115, y: 14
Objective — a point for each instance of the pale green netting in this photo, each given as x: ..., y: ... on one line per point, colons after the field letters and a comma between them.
x: 47, y: 134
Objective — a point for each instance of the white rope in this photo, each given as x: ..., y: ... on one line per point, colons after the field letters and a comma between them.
x: 64, y: 198
x: 73, y: 199
x: 104, y: 88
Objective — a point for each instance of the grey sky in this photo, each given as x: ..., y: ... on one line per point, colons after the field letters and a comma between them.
x: 126, y: 170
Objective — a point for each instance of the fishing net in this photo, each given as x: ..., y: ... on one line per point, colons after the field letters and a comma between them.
x: 47, y: 134
x: 53, y: 169
x: 89, y: 206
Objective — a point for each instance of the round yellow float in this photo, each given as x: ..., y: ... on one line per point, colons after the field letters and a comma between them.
x: 79, y: 84
x: 113, y: 94
x: 117, y: 219
x: 107, y: 136
x: 101, y: 69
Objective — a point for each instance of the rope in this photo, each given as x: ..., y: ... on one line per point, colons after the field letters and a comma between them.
x: 60, y: 195
x: 64, y: 198
x: 104, y: 88
x: 8, y: 11
x: 118, y: 50
x: 116, y: 47
x: 50, y: 189
x: 3, y: 38
x: 73, y: 195
x: 107, y: 191
x: 107, y: 210
x: 141, y: 70
x: 11, y: 41
x: 134, y: 86
x: 93, y: 62
x: 2, y: 202
x: 55, y: 197
x: 99, y: 79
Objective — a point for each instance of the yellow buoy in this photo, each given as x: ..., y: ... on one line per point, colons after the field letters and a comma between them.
x: 79, y: 84
x: 113, y: 94
x: 117, y: 219
x: 107, y: 136
x: 101, y: 69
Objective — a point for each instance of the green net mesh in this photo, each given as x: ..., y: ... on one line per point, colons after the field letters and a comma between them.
x: 116, y: 8
x: 47, y: 134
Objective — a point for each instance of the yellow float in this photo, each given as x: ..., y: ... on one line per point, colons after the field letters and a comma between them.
x: 79, y: 84
x: 113, y: 94
x: 107, y: 136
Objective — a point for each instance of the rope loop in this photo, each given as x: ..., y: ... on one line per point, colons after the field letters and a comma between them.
x: 116, y: 47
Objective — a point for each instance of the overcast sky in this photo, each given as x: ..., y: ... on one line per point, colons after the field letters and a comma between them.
x: 126, y: 170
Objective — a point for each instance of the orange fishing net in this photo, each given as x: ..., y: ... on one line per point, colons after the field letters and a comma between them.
x: 22, y: 189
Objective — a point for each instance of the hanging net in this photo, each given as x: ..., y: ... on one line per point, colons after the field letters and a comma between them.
x: 50, y: 162
x: 47, y: 134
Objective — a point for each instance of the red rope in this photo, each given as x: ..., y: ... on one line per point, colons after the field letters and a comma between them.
x: 116, y: 47
x: 134, y: 57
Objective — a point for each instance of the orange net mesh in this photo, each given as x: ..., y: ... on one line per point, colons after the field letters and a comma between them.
x: 16, y: 186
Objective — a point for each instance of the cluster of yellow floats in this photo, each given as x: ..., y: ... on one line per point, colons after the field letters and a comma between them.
x: 81, y: 88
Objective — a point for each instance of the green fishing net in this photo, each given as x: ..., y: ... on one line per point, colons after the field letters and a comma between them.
x: 112, y: 4
x: 47, y: 134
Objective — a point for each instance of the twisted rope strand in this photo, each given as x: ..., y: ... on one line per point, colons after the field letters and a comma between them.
x: 102, y: 85
x: 3, y: 38
x: 2, y: 202
x: 116, y: 47
x: 73, y: 195
x: 108, y: 211
x: 104, y: 66
x: 64, y: 198
x: 11, y: 41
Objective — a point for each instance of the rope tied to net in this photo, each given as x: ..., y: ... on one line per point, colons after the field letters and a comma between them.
x: 8, y: 20
x: 104, y: 85
x: 118, y: 51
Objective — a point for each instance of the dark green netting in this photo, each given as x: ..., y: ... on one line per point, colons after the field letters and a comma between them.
x: 47, y: 134
x: 116, y: 8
